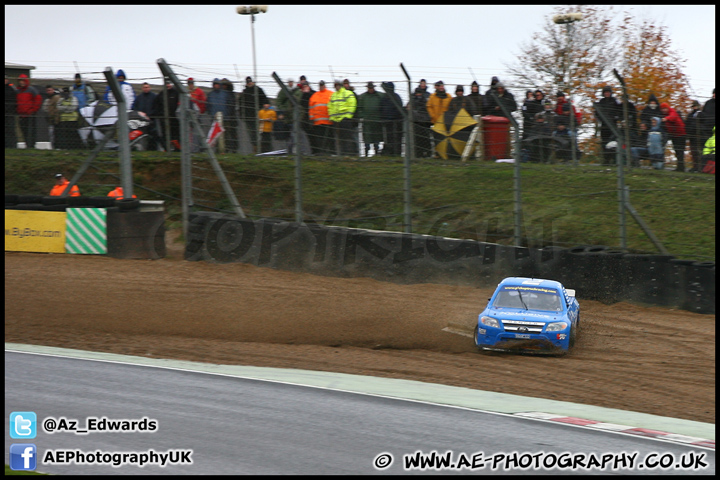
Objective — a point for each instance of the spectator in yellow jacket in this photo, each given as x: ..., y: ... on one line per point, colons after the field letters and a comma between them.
x: 267, y: 117
x: 438, y: 102
x: 341, y: 108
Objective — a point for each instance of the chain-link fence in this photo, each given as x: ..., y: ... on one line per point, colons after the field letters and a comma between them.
x: 397, y: 135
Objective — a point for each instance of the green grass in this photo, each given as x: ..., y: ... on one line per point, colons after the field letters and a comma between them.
x: 561, y: 204
x: 9, y: 471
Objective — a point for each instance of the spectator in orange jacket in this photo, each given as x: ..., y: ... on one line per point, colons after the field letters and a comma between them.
x: 61, y: 184
x: 118, y: 194
x: 318, y: 114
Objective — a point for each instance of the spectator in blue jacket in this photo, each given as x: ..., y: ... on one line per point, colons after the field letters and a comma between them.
x: 84, y: 93
x: 218, y: 100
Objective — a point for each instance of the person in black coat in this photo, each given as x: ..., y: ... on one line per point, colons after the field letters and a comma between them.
x: 652, y: 109
x: 10, y: 112
x: 612, y: 108
x: 708, y: 118
x: 172, y: 97
x: 248, y: 112
x: 492, y: 107
x: 693, y: 133
x: 421, y: 124
x: 393, y: 119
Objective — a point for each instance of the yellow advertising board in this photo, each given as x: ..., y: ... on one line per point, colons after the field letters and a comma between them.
x: 32, y: 231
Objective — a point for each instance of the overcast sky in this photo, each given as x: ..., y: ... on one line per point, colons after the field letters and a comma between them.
x: 436, y: 42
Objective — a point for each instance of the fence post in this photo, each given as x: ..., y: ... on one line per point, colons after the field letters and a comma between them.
x: 409, y: 157
x: 620, y: 174
x: 295, y: 135
x: 407, y: 212
x: 123, y: 134
x: 517, y: 207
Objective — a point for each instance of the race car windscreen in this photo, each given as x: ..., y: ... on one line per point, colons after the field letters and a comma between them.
x: 528, y: 298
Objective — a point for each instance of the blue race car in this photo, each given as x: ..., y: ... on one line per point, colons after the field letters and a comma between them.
x: 529, y: 315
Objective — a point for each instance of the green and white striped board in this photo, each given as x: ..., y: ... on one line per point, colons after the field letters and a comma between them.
x: 86, y: 231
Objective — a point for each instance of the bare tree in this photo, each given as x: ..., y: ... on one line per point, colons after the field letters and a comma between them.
x: 577, y: 58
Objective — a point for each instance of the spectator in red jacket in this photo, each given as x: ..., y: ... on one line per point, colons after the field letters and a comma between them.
x: 675, y: 127
x: 29, y: 102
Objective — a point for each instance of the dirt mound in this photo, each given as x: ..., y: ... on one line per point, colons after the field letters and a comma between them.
x: 650, y: 360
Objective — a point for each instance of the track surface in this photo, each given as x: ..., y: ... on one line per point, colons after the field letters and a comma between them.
x: 652, y: 360
x: 236, y: 425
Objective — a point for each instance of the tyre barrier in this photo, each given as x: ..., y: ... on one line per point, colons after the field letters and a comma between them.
x: 139, y: 235
x: 595, y: 272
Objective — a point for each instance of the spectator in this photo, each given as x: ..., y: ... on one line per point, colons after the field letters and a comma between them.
x: 708, y: 158
x: 565, y: 109
x: 248, y: 112
x: 652, y: 109
x: 530, y: 108
x: 232, y: 133
x: 341, y: 108
x: 66, y: 132
x: 197, y: 96
x: 493, y: 82
x: 656, y: 144
x: 164, y: 109
x: 283, y: 102
x: 306, y: 92
x: 541, y: 139
x: 61, y: 184
x: 639, y: 144
x: 368, y: 111
x: 492, y: 107
x: 563, y: 152
x: 49, y: 106
x: 84, y: 93
x: 198, y: 103
x: 675, y: 127
x: 438, y: 103
x: 694, y: 134
x: 612, y: 109
x: 218, y: 101
x: 126, y: 90
x: 354, y: 121
x: 10, y: 112
x: 29, y: 102
x: 424, y: 89
x: 267, y: 117
x: 708, y: 117
x: 476, y: 98
x: 318, y: 114
x: 144, y: 107
x: 281, y: 132
x: 393, y: 119
x: 421, y: 125
x: 118, y: 193
x: 459, y: 102
x: 145, y: 100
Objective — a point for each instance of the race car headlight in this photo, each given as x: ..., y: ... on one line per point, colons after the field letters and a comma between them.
x: 489, y: 321
x: 556, y: 327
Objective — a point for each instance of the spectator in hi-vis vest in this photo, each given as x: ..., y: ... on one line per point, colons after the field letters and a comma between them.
x: 61, y: 184
x: 118, y: 194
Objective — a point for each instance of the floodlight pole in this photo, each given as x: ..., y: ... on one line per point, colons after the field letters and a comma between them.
x: 252, y: 10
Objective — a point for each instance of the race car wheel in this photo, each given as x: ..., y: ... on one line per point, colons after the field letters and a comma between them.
x: 573, y: 335
x: 475, y: 337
